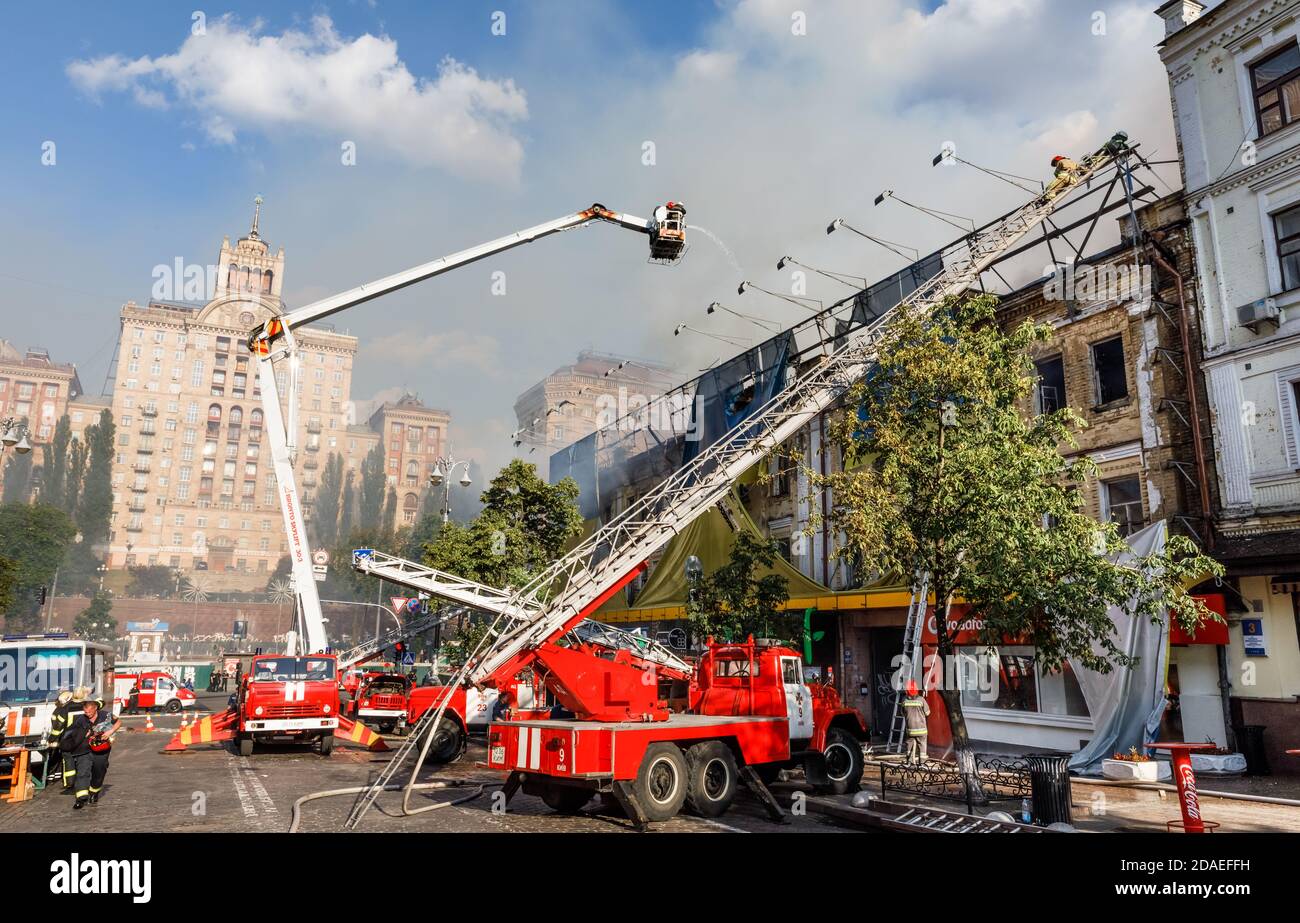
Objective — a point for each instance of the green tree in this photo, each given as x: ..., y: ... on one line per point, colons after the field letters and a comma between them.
x: 8, y: 583
x: 95, y: 623
x: 74, y: 476
x: 152, y: 581
x: 56, y: 464
x: 325, y: 520
x: 525, y: 524
x: 946, y: 473
x: 347, y: 506
x: 18, y: 478
x: 95, y: 507
x: 370, y: 500
x: 34, y: 538
x: 733, y: 603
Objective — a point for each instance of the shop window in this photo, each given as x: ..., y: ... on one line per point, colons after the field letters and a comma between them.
x: 1049, y: 395
x: 1276, y: 82
x: 1006, y: 678
x: 1121, y: 503
x: 1110, y: 377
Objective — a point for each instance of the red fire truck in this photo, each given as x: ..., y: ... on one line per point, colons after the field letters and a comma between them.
x: 750, y: 712
x: 288, y: 698
x: 383, y: 701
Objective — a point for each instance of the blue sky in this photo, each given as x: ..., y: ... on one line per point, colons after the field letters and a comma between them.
x: 764, y: 133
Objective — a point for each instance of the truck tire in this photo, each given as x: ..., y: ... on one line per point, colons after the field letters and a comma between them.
x: 173, y: 706
x: 660, y: 784
x: 844, y: 762
x: 565, y: 798
x: 448, y: 742
x: 711, y: 777
x: 327, y: 745
x: 245, y: 745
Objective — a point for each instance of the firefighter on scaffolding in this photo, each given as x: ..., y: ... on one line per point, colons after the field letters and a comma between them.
x: 915, y: 712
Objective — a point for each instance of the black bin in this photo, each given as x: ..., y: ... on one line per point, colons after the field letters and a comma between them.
x: 1049, y: 780
x: 1250, y: 740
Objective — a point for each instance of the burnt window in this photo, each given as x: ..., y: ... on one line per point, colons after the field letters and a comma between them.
x: 1108, y: 370
x: 1122, y: 504
x: 1286, y: 229
x: 1050, y: 393
x: 1276, y: 82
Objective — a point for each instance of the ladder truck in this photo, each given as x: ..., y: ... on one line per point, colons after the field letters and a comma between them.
x: 623, y: 743
x: 289, y: 694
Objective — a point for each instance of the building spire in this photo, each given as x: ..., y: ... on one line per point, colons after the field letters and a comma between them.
x: 257, y: 213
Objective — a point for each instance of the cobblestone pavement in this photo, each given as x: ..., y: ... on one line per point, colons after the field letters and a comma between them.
x: 213, y: 789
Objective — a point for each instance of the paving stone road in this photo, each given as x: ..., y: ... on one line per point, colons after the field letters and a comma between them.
x: 213, y: 789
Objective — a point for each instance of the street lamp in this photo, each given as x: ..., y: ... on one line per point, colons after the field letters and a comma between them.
x: 14, y: 435
x: 443, y: 468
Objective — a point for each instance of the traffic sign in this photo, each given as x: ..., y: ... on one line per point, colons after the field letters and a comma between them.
x: 399, y: 603
x: 320, y: 557
x: 408, y: 659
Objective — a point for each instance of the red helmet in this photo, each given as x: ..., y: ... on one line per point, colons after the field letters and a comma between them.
x: 912, y: 688
x: 1057, y: 159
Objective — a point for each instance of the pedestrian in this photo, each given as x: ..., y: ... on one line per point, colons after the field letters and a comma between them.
x: 60, y: 718
x: 133, y: 700
x: 93, y: 741
x: 915, y: 712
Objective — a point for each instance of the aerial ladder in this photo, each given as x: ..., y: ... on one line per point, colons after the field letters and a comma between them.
x: 274, y: 340
x: 557, y: 599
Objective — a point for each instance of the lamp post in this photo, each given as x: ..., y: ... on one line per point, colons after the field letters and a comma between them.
x: 14, y: 435
x: 443, y: 468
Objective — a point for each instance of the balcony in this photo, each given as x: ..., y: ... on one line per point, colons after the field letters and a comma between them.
x: 313, y: 426
x: 136, y: 505
x: 135, y: 527
x: 139, y: 488
x: 148, y: 411
x: 145, y: 448
x: 142, y: 467
x: 148, y: 429
x: 311, y: 464
x: 312, y: 447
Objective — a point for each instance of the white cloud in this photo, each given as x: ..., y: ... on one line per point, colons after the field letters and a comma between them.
x: 456, y: 350
x: 237, y: 79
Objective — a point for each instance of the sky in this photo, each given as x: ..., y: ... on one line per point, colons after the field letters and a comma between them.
x: 469, y: 120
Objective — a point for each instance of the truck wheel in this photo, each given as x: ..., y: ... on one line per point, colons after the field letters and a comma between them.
x: 386, y: 728
x: 711, y: 778
x: 245, y: 746
x: 844, y: 762
x: 448, y: 742
x: 173, y: 706
x: 660, y: 784
x: 327, y: 745
x: 565, y: 799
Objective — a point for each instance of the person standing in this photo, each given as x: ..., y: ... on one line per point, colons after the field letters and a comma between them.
x: 133, y: 699
x: 915, y: 712
x: 60, y: 718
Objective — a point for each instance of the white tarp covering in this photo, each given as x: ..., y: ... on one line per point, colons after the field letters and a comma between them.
x: 1126, y: 703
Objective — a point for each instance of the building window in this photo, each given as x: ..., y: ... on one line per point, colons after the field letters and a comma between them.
x: 1286, y: 230
x: 1276, y: 81
x: 1121, y: 503
x: 1109, y: 375
x: 1049, y: 396
x: 1006, y: 678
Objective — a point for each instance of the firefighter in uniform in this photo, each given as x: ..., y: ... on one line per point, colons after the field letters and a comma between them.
x: 96, y: 726
x: 915, y: 711
x: 59, y: 720
x: 1064, y: 175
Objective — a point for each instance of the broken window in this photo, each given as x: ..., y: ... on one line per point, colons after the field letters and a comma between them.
x: 1122, y: 504
x: 1050, y: 393
x: 1108, y: 370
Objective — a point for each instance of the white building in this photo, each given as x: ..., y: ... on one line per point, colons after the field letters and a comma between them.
x: 1234, y: 76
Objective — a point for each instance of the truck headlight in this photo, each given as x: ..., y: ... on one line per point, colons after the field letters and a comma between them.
x: 327, y: 709
x: 258, y: 710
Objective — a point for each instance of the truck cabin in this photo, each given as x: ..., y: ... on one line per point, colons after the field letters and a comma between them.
x: 748, y: 678
x: 292, y: 669
x: 383, y: 684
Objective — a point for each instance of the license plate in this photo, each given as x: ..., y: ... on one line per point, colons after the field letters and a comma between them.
x: 498, y: 755
x: 300, y: 723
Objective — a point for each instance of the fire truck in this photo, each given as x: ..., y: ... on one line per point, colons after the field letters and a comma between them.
x: 157, y: 690
x: 751, y: 713
x: 383, y: 701
x: 288, y: 698
x: 274, y: 341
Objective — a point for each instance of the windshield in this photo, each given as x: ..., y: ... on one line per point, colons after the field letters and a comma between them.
x: 36, y: 674
x: 286, y: 669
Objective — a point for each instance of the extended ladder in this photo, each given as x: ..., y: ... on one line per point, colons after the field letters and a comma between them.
x: 416, y: 626
x: 439, y: 583
x: 916, y: 610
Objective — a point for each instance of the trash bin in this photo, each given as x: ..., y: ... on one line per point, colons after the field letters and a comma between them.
x: 1250, y: 741
x: 1049, y: 780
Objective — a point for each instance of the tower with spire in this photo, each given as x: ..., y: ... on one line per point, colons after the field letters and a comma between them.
x: 248, y: 271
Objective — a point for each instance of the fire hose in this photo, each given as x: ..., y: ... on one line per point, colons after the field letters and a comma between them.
x: 296, y: 813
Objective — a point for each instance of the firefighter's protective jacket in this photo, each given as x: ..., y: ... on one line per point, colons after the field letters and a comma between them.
x: 915, y: 711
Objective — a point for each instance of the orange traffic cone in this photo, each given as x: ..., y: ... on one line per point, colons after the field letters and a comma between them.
x: 148, y: 723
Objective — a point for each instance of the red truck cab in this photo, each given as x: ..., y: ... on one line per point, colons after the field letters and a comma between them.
x: 383, y: 702
x: 288, y: 698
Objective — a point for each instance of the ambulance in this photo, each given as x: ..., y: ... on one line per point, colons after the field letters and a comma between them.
x: 158, y: 690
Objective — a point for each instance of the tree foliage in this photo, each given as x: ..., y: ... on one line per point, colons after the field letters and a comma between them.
x: 151, y: 581
x: 373, y: 486
x: 34, y: 538
x: 17, y: 478
x: 95, y: 623
x: 325, y: 515
x: 56, y: 464
x: 525, y: 524
x: 947, y: 473
x: 95, y: 506
x: 733, y: 603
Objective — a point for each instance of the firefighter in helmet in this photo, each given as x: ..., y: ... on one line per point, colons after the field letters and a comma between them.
x: 915, y: 712
x: 60, y: 718
x: 94, y: 729
x: 1065, y: 173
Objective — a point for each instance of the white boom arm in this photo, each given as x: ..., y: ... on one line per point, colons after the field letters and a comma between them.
x: 275, y: 338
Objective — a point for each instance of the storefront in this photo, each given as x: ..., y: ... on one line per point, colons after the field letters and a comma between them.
x: 1195, y: 702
